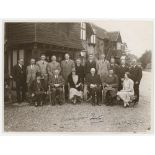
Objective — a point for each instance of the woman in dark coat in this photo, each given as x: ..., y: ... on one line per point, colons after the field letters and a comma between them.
x: 75, y: 85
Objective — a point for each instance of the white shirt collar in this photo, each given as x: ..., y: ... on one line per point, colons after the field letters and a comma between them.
x: 20, y: 65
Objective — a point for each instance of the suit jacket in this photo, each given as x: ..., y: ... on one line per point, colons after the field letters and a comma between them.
x: 122, y: 71
x: 102, y: 67
x: 42, y: 67
x: 80, y: 72
x: 59, y: 80
x: 136, y: 73
x: 31, y: 73
x: 93, y: 79
x: 19, y: 74
x: 67, y: 68
x: 115, y: 68
x: 89, y: 65
x: 113, y: 81
x: 52, y: 66
x: 38, y: 87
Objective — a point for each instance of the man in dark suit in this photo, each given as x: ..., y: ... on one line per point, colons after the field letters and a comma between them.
x: 56, y: 85
x: 19, y: 75
x: 38, y: 89
x: 66, y: 68
x: 93, y: 82
x: 136, y: 76
x: 122, y: 70
x: 114, y: 66
x: 80, y: 69
x: 91, y: 63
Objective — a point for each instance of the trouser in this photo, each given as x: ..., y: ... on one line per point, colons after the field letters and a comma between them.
x: 136, y: 90
x: 39, y: 97
x: 94, y: 92
x: 110, y: 98
x: 45, y: 79
x: 20, y: 90
x: 66, y: 91
x: 57, y: 93
x: 120, y: 86
x: 29, y: 86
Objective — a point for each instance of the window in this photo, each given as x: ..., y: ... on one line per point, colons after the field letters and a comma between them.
x: 93, y: 39
x: 119, y: 46
x: 83, y: 31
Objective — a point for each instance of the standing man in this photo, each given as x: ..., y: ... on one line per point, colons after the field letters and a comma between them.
x: 52, y: 66
x: 122, y: 70
x: 31, y: 72
x: 42, y: 64
x: 80, y: 70
x: 136, y: 76
x: 103, y: 66
x: 67, y: 65
x: 19, y: 75
x: 91, y: 63
x: 114, y: 66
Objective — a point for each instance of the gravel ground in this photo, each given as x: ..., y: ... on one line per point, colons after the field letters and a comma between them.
x: 84, y: 117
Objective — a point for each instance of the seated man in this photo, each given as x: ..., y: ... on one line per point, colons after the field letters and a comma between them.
x: 38, y: 90
x: 110, y: 87
x: 93, y: 82
x: 56, y: 83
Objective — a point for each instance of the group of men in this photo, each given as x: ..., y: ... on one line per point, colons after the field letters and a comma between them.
x: 41, y: 76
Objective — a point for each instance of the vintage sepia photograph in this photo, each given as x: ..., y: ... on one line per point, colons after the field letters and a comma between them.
x: 78, y: 76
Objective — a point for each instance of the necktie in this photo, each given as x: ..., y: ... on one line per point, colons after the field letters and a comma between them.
x: 57, y: 79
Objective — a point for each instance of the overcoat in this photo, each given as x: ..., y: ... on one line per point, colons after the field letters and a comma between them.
x: 136, y: 73
x: 31, y: 72
x: 51, y: 67
x: 89, y: 65
x: 67, y: 67
x: 42, y: 67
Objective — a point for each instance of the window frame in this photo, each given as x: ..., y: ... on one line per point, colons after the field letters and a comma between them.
x: 93, y: 39
x: 83, y: 31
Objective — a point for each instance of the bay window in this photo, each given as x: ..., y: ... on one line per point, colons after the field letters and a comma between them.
x: 93, y: 39
x: 83, y: 31
x: 119, y: 45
